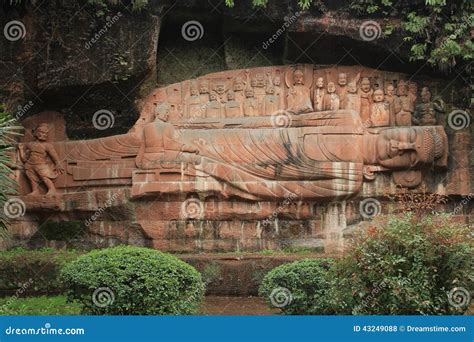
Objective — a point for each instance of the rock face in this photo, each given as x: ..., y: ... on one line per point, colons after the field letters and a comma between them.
x: 259, y: 156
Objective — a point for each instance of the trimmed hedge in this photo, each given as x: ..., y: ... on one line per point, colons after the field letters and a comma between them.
x: 37, y: 271
x: 299, y: 288
x: 127, y: 280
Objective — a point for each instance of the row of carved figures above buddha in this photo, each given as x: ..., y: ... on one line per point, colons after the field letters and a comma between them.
x: 380, y: 98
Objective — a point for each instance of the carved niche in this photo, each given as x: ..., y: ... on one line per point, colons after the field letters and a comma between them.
x: 256, y: 134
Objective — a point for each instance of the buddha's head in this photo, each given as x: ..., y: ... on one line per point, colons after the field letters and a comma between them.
x: 412, y: 147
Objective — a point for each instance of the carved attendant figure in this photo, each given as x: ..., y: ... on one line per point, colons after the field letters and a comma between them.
x: 299, y: 100
x: 379, y: 112
x: 403, y: 106
x: 35, y: 158
x: 352, y: 98
x: 425, y: 112
x: 318, y: 94
x: 204, y: 92
x: 365, y: 99
x: 270, y: 102
x: 331, y: 99
x: 250, y: 103
x: 193, y: 103
x: 232, y: 107
x: 214, y: 108
x: 342, y: 89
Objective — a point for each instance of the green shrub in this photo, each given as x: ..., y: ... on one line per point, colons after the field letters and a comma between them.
x: 406, y: 265
x: 128, y: 280
x: 36, y: 271
x: 299, y: 288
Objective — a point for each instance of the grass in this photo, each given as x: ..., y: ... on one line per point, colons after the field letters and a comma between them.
x: 56, y: 305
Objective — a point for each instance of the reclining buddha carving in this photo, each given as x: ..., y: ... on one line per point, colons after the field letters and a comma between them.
x: 246, y: 134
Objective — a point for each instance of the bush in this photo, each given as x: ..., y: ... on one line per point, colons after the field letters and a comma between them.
x: 299, y: 288
x: 406, y: 265
x: 34, y: 271
x: 128, y: 280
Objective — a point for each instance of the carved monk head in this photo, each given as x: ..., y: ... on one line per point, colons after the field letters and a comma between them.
x: 249, y: 92
x: 239, y: 84
x: 412, y: 88
x: 41, y: 132
x: 320, y: 82
x: 410, y: 147
x: 425, y: 95
x: 260, y: 80
x: 204, y: 87
x: 365, y: 85
x: 342, y: 79
x: 352, y: 88
x: 331, y: 87
x: 277, y: 81
x: 230, y: 95
x: 402, y: 88
x: 390, y: 90
x: 298, y: 77
x: 213, y: 96
x: 219, y: 87
x: 378, y: 95
x: 162, y: 111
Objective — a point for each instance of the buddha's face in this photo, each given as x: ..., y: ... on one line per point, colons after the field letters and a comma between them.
x: 298, y: 77
x: 331, y: 87
x: 378, y: 96
x: 390, y: 90
x: 342, y: 79
x: 365, y: 85
x: 320, y: 82
x: 410, y: 147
